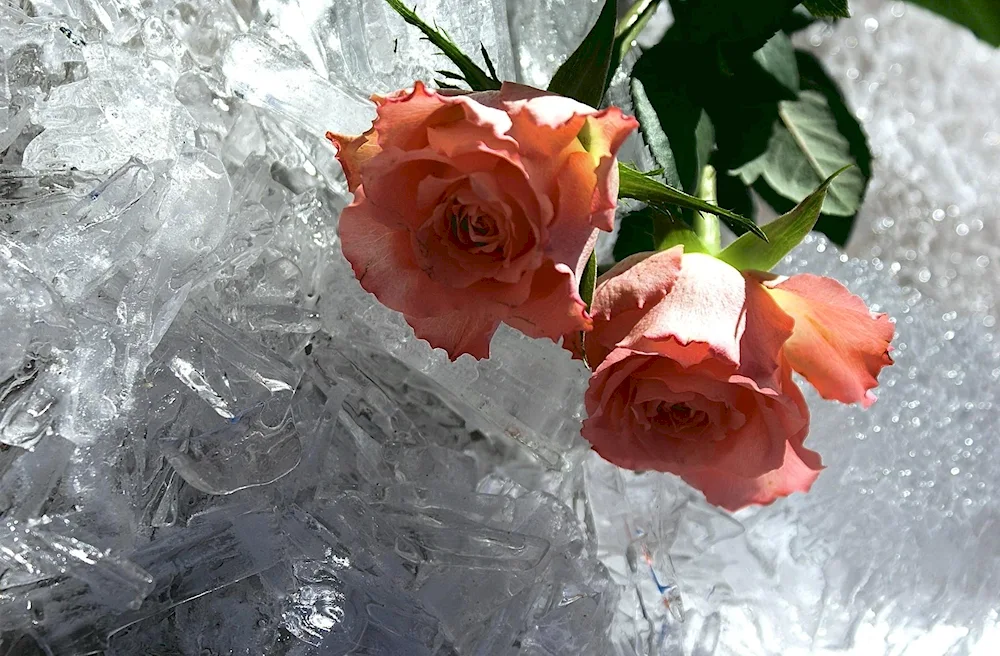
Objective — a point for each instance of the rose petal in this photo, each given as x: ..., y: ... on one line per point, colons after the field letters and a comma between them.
x: 405, y: 116
x: 768, y: 329
x: 748, y: 450
x: 466, y: 331
x: 837, y: 345
x: 554, y: 307
x: 734, y: 492
x: 638, y: 282
x: 353, y: 152
x: 705, y: 306
x: 382, y: 259
x: 604, y: 133
x: 548, y: 127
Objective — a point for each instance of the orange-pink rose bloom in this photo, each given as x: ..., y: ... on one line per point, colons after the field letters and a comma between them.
x: 475, y: 209
x: 693, y: 366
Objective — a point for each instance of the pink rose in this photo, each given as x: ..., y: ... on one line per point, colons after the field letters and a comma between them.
x: 693, y: 363
x: 475, y: 209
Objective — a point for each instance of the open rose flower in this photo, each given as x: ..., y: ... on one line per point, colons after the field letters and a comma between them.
x: 692, y: 371
x: 475, y: 209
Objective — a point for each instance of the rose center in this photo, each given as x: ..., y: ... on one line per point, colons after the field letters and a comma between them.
x: 473, y: 228
x: 679, y: 416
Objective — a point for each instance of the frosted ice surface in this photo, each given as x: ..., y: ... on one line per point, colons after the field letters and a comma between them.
x: 213, y: 441
x: 932, y: 116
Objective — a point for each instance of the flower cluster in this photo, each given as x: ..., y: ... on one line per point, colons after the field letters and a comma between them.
x: 473, y: 209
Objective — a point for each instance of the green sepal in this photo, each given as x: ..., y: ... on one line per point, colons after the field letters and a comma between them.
x: 588, y: 281
x: 783, y: 234
x: 474, y: 76
x: 588, y: 285
x: 584, y: 75
x: 636, y: 185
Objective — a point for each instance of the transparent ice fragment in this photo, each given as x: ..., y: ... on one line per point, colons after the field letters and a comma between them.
x: 124, y: 108
x: 212, y: 552
x: 221, y: 408
x: 105, y: 230
x: 36, y: 549
x: 36, y: 322
x: 545, y: 32
x: 28, y: 484
x: 268, y: 77
x: 446, y: 540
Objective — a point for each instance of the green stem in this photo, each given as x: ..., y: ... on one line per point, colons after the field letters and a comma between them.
x: 706, y: 225
x: 627, y: 31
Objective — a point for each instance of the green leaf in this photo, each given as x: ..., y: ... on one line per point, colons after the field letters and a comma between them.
x: 475, y: 77
x: 635, y: 234
x: 681, y: 235
x: 743, y: 25
x: 588, y: 281
x: 980, y: 16
x: 783, y: 234
x: 828, y: 8
x: 815, y: 77
x: 777, y: 59
x: 583, y: 76
x: 804, y: 149
x: 633, y: 184
x: 676, y: 129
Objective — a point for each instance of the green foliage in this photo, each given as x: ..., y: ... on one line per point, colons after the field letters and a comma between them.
x: 475, y: 77
x: 726, y: 87
x: 633, y: 184
x: 732, y: 25
x: 980, y: 16
x: 827, y: 8
x: 732, y: 193
x: 676, y: 129
x: 776, y: 58
x: 584, y: 76
x: 804, y: 149
x: 783, y: 234
x: 636, y: 233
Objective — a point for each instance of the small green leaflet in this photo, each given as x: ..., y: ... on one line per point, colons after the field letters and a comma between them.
x: 676, y: 129
x: 477, y: 78
x: 805, y: 148
x: 584, y: 75
x: 827, y: 8
x: 980, y: 16
x: 783, y: 234
x: 634, y: 184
